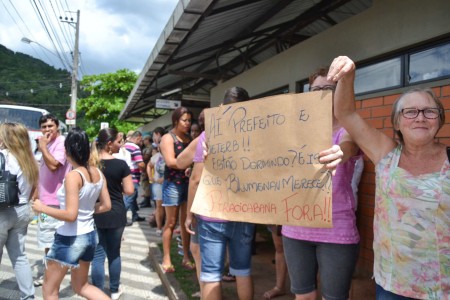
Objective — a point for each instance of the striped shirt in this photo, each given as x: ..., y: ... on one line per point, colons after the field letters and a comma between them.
x: 136, y: 158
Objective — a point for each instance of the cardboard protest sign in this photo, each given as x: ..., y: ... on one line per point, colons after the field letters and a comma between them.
x: 263, y: 162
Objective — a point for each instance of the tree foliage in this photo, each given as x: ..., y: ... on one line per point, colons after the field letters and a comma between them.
x: 107, y: 94
x: 27, y: 81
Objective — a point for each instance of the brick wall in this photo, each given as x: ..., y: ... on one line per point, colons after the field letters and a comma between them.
x: 378, y: 111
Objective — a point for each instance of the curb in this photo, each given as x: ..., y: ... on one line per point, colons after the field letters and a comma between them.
x: 169, y: 283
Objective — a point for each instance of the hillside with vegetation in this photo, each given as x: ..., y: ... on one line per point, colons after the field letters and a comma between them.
x: 25, y: 80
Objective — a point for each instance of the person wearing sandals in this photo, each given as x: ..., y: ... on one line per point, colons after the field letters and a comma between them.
x: 110, y: 225
x: 215, y: 235
x: 83, y: 193
x: 280, y: 265
x: 175, y: 187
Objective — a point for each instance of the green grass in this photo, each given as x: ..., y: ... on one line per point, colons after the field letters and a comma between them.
x: 187, y: 279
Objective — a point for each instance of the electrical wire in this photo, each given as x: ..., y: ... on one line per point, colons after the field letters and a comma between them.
x: 55, y: 35
x: 48, y: 33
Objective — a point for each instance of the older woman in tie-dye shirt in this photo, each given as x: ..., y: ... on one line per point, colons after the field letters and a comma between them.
x: 412, y: 202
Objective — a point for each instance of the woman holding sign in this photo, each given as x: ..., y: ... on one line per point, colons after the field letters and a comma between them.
x: 412, y: 201
x: 175, y: 186
x: 331, y: 252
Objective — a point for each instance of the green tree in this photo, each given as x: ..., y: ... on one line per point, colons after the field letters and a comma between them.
x: 106, y: 97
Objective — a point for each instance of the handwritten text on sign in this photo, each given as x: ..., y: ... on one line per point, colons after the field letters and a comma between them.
x: 263, y: 162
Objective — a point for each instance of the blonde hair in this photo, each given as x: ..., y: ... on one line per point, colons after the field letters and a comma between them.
x: 14, y: 137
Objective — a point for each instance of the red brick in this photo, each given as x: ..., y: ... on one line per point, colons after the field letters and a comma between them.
x: 445, y: 141
x: 387, y: 123
x: 382, y: 111
x: 446, y: 102
x: 369, y: 166
x: 444, y: 132
x: 436, y: 91
x: 372, y: 102
x: 365, y: 210
x: 389, y: 100
x: 367, y: 188
x: 445, y: 91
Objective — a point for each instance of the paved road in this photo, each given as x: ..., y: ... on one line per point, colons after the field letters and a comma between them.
x: 139, y: 280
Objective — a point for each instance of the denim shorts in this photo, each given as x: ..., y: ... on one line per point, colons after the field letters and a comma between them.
x: 68, y: 250
x: 334, y: 262
x: 174, y: 194
x: 157, y: 191
x: 214, y: 238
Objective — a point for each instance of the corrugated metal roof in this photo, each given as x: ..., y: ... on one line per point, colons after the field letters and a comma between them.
x: 206, y: 41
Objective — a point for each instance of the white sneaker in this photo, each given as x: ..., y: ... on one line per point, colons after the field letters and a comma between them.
x: 39, y: 281
x: 116, y: 295
x: 158, y: 232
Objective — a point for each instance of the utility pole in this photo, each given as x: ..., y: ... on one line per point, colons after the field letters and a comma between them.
x: 71, y: 114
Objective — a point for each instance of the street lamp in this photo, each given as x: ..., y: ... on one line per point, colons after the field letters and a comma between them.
x: 28, y: 41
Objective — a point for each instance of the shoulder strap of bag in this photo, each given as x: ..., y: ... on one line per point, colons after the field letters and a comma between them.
x: 2, y: 162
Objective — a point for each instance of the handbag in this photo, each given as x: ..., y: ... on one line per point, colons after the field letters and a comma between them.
x: 9, y: 187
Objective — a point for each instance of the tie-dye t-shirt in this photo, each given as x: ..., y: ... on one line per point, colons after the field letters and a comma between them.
x: 412, y: 230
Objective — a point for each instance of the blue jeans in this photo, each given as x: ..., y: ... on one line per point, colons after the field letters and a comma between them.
x: 382, y: 294
x: 13, y: 231
x: 131, y: 202
x: 214, y: 238
x: 69, y: 250
x: 109, y: 243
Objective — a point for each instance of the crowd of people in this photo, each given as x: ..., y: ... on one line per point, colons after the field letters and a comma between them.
x: 81, y: 192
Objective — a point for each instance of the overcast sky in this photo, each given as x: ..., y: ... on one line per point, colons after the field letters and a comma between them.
x: 114, y: 34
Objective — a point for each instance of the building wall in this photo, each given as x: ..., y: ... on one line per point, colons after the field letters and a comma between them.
x: 384, y: 28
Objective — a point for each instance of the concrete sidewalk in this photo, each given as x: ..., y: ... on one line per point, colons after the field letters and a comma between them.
x: 142, y: 277
x: 263, y: 271
x: 139, y: 280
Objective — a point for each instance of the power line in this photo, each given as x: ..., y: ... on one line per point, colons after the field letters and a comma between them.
x: 55, y: 35
x: 49, y: 35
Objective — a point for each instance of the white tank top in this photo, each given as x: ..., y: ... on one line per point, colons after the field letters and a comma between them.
x: 88, y: 195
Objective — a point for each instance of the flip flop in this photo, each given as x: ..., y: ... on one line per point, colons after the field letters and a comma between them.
x: 168, y: 269
x: 188, y: 266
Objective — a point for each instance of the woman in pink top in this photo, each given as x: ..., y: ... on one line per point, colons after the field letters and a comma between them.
x: 331, y: 252
x: 412, y: 200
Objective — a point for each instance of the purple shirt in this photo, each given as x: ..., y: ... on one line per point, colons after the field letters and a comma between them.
x: 50, y: 182
x: 198, y: 157
x: 344, y: 229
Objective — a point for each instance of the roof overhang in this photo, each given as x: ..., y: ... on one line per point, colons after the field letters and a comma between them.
x: 209, y: 41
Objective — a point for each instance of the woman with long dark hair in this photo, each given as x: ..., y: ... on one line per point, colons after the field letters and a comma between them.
x: 175, y: 186
x: 110, y: 225
x: 76, y: 239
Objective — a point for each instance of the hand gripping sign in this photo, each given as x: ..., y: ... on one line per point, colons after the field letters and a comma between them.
x: 263, y: 161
